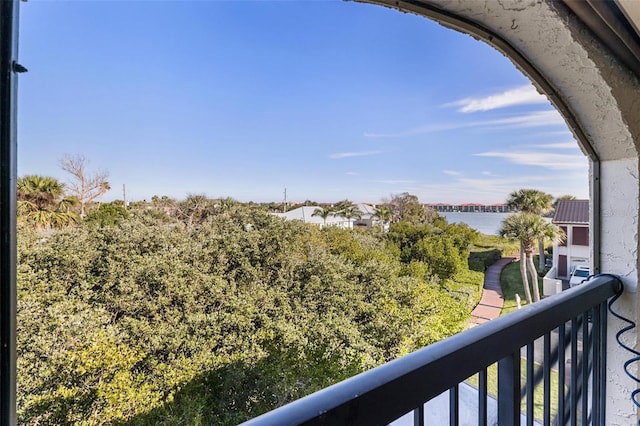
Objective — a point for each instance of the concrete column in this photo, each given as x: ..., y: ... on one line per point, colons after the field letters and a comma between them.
x: 620, y: 194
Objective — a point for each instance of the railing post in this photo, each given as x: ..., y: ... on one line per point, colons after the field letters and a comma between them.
x: 547, y: 379
x: 530, y: 383
x: 418, y: 416
x: 574, y: 390
x: 560, y: 415
x: 8, y: 149
x: 454, y: 406
x: 602, y: 370
x: 509, y: 390
x: 482, y: 397
x: 587, y: 368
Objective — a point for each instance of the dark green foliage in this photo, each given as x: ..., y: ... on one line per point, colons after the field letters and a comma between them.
x: 148, y: 320
x: 488, y: 249
x: 407, y: 208
x: 443, y: 248
x: 481, y: 260
x: 107, y: 214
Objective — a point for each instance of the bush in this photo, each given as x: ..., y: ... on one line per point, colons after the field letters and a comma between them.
x: 140, y: 321
x: 481, y: 260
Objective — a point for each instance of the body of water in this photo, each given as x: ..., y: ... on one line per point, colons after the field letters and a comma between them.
x: 487, y: 223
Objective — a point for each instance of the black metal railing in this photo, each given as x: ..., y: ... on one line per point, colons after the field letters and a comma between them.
x: 563, y: 336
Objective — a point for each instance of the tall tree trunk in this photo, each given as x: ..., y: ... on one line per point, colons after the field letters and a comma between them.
x: 534, y: 276
x: 523, y: 272
x: 541, y: 259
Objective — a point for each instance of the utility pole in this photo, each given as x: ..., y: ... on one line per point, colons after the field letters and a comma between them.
x: 124, y: 196
x: 284, y: 209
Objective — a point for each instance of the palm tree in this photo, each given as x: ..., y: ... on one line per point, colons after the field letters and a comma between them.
x: 384, y: 214
x: 40, y: 191
x: 530, y: 201
x: 343, y: 204
x: 350, y: 212
x: 41, y: 203
x: 324, y: 213
x: 527, y: 228
x: 534, y: 202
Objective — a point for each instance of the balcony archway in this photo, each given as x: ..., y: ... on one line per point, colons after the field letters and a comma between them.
x: 595, y: 93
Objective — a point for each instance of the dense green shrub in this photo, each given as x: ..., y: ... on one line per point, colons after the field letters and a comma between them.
x: 107, y: 214
x: 144, y: 320
x: 480, y: 260
x: 442, y: 248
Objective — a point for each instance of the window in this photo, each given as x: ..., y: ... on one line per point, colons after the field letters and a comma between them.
x: 580, y: 236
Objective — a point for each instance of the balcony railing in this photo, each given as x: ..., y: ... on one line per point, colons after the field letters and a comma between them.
x: 563, y: 336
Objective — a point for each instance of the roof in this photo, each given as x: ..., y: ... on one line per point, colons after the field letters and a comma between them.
x: 572, y: 212
x: 305, y: 214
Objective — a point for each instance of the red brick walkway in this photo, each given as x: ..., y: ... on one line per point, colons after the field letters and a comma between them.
x: 491, y: 302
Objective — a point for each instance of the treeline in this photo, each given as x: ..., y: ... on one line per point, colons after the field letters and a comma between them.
x: 218, y: 311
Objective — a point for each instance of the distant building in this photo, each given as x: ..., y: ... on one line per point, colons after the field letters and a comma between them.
x: 572, y: 216
x: 469, y: 207
x: 305, y: 214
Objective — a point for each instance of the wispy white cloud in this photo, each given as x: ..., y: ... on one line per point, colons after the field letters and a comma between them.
x: 341, y: 155
x: 417, y: 130
x: 548, y: 160
x: 482, y: 187
x: 566, y: 132
x: 451, y: 172
x: 558, y: 145
x: 352, y: 173
x: 532, y: 119
x: 496, y: 189
x: 395, y: 181
x: 523, y: 95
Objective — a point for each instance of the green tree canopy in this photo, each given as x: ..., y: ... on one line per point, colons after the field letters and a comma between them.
x: 406, y: 207
x: 41, y: 203
x: 108, y: 214
x: 139, y: 321
x: 530, y: 201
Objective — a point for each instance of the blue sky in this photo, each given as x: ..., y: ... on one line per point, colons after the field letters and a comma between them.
x: 328, y: 99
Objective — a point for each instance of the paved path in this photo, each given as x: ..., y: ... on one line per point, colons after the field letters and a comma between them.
x: 491, y: 302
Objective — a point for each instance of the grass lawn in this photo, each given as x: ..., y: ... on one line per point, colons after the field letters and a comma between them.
x: 488, y: 249
x: 490, y: 242
x: 511, y: 283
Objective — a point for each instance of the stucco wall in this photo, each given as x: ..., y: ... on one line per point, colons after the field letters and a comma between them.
x: 599, y: 99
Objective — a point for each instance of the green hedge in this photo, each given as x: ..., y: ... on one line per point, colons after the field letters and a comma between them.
x: 143, y: 320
